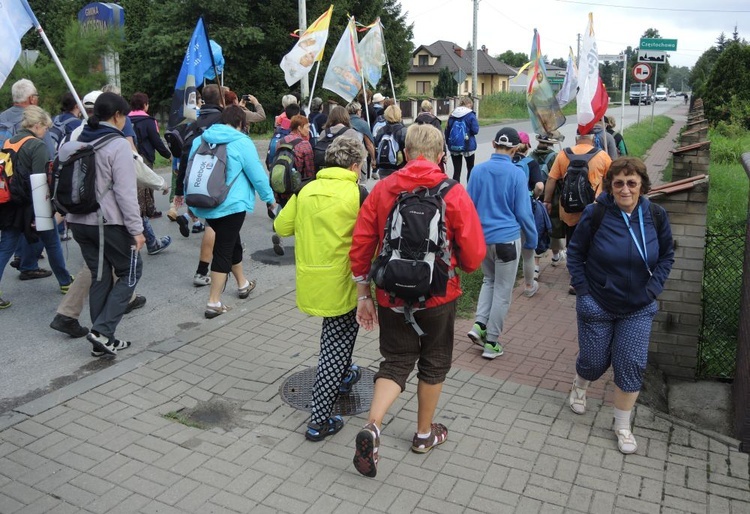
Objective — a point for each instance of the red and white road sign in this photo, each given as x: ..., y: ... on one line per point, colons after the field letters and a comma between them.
x: 641, y: 72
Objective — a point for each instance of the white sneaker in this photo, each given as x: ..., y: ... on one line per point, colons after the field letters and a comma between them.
x: 201, y: 280
x: 528, y: 293
x: 560, y: 258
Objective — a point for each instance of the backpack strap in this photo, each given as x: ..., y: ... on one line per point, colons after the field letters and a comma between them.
x: 15, y: 147
x: 100, y: 217
x: 597, y: 215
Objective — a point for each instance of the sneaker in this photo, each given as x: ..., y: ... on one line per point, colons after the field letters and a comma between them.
x: 183, y: 222
x: 64, y: 289
x: 244, y: 292
x: 65, y: 236
x: 366, y: 450
x: 136, y: 303
x: 478, y: 334
x: 572, y: 290
x: 198, y: 227
x: 201, y: 280
x: 560, y: 258
x: 4, y: 304
x: 492, y: 350
x: 211, y: 311
x: 172, y: 214
x: 68, y: 325
x: 316, y: 432
x: 164, y: 242
x: 577, y: 399
x: 117, y: 346
x: 278, y: 248
x: 100, y: 344
x: 528, y: 293
x: 438, y: 435
x: 35, y: 273
x: 536, y: 272
x: 351, y: 378
x: 15, y: 263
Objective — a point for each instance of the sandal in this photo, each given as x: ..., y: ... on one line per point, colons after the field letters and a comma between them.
x: 317, y: 432
x: 626, y: 441
x: 577, y: 400
x: 116, y: 346
x: 351, y: 378
x: 211, y: 312
x: 366, y: 450
x: 438, y: 435
x: 244, y: 292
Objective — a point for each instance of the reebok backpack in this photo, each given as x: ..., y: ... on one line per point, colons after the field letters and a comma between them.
x: 74, y: 176
x: 322, y: 145
x: 414, y: 262
x: 458, y: 136
x: 278, y: 135
x: 59, y: 130
x: 388, y: 155
x: 206, y: 176
x: 285, y: 178
x: 11, y: 185
x: 577, y: 192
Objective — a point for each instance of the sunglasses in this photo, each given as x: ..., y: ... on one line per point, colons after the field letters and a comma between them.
x: 619, y: 184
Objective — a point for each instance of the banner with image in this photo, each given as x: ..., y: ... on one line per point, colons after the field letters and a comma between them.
x: 343, y: 73
x: 300, y: 59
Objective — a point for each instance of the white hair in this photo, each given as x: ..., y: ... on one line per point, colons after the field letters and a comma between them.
x: 288, y: 100
x: 23, y: 90
x: 111, y: 88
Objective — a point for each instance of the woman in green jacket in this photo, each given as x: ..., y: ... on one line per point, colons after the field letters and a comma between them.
x: 321, y: 217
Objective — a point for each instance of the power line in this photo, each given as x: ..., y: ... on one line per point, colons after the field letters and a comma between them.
x: 642, y: 8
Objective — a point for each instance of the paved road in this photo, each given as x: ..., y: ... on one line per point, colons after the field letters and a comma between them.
x: 35, y: 359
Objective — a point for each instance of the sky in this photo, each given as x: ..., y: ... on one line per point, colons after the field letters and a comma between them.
x: 504, y: 25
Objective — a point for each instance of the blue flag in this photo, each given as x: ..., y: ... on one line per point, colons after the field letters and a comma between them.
x: 198, y: 60
x: 16, y: 18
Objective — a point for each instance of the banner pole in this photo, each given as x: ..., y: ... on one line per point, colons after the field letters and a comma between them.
x: 213, y: 64
x: 364, y: 94
x: 312, y: 90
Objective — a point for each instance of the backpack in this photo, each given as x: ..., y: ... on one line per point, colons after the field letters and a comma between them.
x: 414, y: 262
x: 7, y: 130
x: 523, y: 163
x: 543, y: 226
x: 378, y: 125
x: 11, y: 186
x: 577, y: 192
x: 74, y: 177
x: 175, y: 138
x: 284, y: 177
x: 59, y: 130
x: 322, y: 145
x: 388, y: 154
x: 314, y: 132
x: 546, y: 165
x: 278, y: 134
x: 206, y: 176
x: 458, y: 136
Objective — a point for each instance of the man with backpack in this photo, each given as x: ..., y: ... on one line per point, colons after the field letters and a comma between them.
x: 580, y: 169
x: 66, y: 122
x: 460, y: 136
x: 427, y: 338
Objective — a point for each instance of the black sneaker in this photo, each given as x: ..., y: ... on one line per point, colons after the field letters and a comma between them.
x: 68, y: 325
x: 138, y: 302
x: 183, y: 222
x: 35, y: 273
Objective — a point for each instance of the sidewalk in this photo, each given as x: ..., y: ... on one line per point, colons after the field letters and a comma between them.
x: 102, y: 444
x: 659, y: 155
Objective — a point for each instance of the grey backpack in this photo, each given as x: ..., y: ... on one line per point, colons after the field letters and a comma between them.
x: 206, y: 176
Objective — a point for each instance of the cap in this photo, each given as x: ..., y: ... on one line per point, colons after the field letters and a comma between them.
x: 551, y: 138
x: 90, y: 99
x: 377, y: 97
x: 507, y: 137
x: 524, y: 137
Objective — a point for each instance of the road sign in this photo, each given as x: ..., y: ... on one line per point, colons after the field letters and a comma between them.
x: 611, y: 57
x: 664, y: 45
x: 460, y: 76
x: 652, y: 56
x: 641, y: 72
x: 555, y: 80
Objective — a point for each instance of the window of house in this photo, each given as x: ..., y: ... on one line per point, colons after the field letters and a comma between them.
x: 424, y: 60
x: 466, y: 86
x: 423, y: 87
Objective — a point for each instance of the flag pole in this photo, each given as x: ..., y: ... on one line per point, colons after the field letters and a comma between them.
x: 364, y: 94
x: 312, y: 90
x: 213, y: 63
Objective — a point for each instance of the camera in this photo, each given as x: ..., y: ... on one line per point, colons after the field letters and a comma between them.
x: 246, y: 98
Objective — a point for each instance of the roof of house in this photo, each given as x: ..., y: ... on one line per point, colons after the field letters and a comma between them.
x: 445, y: 51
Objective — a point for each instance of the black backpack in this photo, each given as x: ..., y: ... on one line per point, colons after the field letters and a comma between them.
x: 577, y: 192
x: 324, y: 141
x: 74, y: 176
x: 284, y: 176
x: 415, y: 259
x: 389, y: 155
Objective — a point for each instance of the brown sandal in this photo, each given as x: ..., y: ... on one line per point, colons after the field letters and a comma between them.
x: 244, y: 292
x: 438, y: 435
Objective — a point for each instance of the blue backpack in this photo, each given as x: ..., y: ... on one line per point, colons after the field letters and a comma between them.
x: 278, y: 134
x: 524, y: 165
x: 543, y: 226
x: 458, y: 136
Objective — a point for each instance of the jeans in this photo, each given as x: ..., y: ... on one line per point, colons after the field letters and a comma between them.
x: 50, y: 241
x: 499, y: 267
x: 148, y: 232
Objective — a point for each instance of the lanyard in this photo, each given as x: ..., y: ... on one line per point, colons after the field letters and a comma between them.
x: 643, y: 252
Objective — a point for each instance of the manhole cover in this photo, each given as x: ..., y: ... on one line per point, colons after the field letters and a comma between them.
x: 297, y: 392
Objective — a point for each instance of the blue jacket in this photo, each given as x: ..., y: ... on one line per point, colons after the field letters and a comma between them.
x: 609, y: 266
x: 498, y: 189
x: 472, y: 126
x: 242, y: 157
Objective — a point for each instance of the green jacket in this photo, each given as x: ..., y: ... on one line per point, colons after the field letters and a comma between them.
x: 321, y: 217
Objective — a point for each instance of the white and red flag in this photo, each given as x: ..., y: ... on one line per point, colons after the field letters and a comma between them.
x: 592, y: 99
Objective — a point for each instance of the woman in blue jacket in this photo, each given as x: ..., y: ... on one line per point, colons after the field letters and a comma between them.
x: 468, y: 128
x: 246, y: 175
x: 619, y: 259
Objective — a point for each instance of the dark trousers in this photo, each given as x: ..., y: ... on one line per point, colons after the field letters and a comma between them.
x: 457, y: 164
x: 569, y: 229
x: 227, y: 245
x: 108, y: 298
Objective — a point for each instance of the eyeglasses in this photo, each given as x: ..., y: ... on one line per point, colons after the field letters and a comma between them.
x: 619, y: 184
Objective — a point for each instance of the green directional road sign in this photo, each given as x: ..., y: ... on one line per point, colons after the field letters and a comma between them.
x: 663, y: 45
x: 555, y: 80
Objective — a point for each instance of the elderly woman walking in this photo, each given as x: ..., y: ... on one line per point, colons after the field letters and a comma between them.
x: 322, y: 217
x: 619, y: 257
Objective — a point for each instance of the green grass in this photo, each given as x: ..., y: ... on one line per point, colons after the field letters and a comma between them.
x: 180, y: 418
x: 640, y: 137
x: 501, y: 107
x: 471, y: 283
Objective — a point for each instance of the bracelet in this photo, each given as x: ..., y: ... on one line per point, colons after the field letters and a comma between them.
x: 366, y: 297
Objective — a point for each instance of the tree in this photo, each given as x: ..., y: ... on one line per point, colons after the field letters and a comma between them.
x: 727, y: 93
x: 446, y: 85
x: 679, y: 77
x: 721, y: 42
x: 559, y: 62
x: 514, y: 59
x: 702, y: 70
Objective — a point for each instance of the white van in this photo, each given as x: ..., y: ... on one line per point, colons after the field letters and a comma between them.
x: 662, y: 93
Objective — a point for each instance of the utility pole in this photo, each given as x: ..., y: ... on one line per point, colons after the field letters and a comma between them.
x: 474, y: 53
x: 304, y: 84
